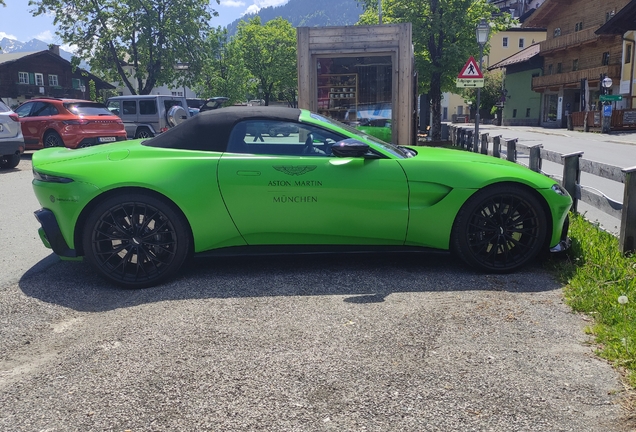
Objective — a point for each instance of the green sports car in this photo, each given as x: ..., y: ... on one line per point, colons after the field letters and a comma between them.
x: 137, y: 210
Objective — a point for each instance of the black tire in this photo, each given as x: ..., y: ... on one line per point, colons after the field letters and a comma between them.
x: 52, y: 139
x: 272, y: 132
x: 9, y: 161
x: 286, y: 134
x: 143, y: 132
x: 499, y: 229
x: 136, y: 240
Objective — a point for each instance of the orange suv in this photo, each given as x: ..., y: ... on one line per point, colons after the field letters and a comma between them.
x: 51, y: 122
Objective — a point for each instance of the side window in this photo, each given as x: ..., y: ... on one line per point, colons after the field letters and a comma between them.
x: 147, y: 107
x: 281, y: 138
x: 24, y: 110
x: 114, y: 107
x: 129, y: 107
x: 169, y: 103
x: 47, y: 110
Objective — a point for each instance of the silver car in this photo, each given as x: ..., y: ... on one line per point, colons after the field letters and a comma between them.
x: 145, y: 116
x: 11, y: 139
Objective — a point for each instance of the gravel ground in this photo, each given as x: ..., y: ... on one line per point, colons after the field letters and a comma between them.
x: 327, y: 343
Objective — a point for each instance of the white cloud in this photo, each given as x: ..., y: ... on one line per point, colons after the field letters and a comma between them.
x: 46, y: 36
x: 232, y: 3
x: 8, y: 36
x: 260, y: 4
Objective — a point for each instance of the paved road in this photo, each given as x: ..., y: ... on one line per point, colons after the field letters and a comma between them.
x: 617, y: 149
x: 327, y: 343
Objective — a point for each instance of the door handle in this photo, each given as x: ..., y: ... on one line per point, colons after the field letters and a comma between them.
x: 248, y: 173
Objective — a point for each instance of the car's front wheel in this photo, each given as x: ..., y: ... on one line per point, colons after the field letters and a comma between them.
x: 136, y: 240
x: 499, y: 229
x: 52, y: 139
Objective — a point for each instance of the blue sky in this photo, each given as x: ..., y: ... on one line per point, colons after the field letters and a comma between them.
x: 17, y: 23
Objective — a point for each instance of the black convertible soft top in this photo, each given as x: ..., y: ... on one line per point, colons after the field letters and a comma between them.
x: 210, y: 130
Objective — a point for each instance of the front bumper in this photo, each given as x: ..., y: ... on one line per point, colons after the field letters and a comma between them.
x: 565, y: 242
x: 51, y: 235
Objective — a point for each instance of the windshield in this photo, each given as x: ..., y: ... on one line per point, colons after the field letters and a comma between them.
x: 391, y: 148
x: 87, y: 108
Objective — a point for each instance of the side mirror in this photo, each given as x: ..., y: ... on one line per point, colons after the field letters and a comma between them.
x: 349, y: 148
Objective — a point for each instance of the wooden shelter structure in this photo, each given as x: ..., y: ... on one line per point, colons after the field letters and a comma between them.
x: 361, y: 75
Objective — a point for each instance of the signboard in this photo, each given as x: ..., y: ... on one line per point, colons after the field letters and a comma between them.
x: 629, y: 117
x: 610, y: 98
x: 467, y: 83
x: 470, y: 75
x: 607, y: 110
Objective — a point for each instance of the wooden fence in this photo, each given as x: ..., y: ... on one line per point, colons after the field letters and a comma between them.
x: 622, y: 119
x: 573, y: 165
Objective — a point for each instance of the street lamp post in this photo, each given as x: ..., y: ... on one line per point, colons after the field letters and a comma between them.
x: 482, y: 37
x: 607, y: 115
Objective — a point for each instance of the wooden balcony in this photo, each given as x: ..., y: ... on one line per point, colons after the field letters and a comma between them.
x: 569, y: 40
x: 575, y: 77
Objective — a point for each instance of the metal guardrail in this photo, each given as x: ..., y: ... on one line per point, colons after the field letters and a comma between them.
x: 573, y: 165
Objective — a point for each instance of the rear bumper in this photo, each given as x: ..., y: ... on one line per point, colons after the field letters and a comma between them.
x: 51, y: 235
x: 11, y: 147
x: 87, y: 142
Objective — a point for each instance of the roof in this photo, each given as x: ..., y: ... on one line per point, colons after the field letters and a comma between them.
x: 542, y: 16
x: 520, y: 57
x: 623, y: 21
x: 13, y: 57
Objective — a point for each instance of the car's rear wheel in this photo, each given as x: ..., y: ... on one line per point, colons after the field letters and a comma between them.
x: 499, y: 229
x: 9, y: 161
x: 143, y: 132
x: 272, y: 132
x: 136, y: 240
x: 52, y: 139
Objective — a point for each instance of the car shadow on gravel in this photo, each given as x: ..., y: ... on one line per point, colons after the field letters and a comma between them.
x: 360, y: 278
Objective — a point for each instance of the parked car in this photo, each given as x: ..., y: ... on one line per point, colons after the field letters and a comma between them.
x: 145, y: 116
x: 72, y: 123
x: 139, y: 209
x: 213, y: 103
x: 11, y: 140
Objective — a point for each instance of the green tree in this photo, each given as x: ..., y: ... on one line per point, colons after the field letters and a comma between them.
x: 135, y: 40
x: 490, y: 94
x: 224, y: 73
x: 269, y: 54
x: 443, y: 39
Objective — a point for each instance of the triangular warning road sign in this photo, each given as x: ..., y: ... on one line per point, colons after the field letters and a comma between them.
x: 470, y: 70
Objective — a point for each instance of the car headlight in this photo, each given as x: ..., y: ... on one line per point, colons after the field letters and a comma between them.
x: 50, y: 178
x: 560, y: 190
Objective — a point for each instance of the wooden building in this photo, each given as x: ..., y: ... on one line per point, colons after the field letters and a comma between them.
x: 26, y: 75
x: 361, y: 75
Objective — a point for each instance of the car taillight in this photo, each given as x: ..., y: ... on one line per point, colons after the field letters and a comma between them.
x: 163, y: 129
x: 76, y: 122
x: 14, y: 117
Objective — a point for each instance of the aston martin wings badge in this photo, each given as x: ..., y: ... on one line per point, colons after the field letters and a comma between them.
x: 296, y: 170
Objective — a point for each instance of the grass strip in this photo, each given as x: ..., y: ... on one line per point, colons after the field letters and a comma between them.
x: 600, y: 281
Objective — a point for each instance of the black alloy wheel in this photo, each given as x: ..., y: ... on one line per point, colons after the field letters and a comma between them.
x: 143, y: 133
x: 52, y: 139
x: 136, y: 240
x: 499, y: 229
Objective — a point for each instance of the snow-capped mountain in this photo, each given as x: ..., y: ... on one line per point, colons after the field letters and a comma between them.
x: 12, y: 45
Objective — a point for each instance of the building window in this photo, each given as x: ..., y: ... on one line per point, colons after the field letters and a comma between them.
x: 557, y: 31
x: 628, y: 53
x: 521, y: 41
x: 578, y: 26
x: 505, y: 42
x: 39, y: 79
x: 549, y: 70
x: 558, y: 69
x: 53, y: 81
x: 514, y: 113
x: 23, y: 77
x: 527, y: 112
x: 575, y: 64
x: 606, y: 58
